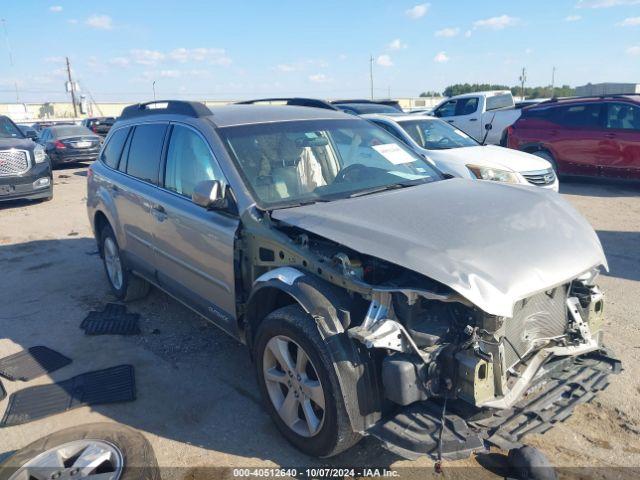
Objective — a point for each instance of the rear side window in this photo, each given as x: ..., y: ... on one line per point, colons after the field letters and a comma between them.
x: 499, y: 101
x: 145, y: 151
x: 113, y: 149
x: 623, y: 116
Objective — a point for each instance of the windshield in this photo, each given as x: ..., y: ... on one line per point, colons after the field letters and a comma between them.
x: 70, y: 131
x: 434, y: 134
x: 8, y: 129
x: 290, y: 163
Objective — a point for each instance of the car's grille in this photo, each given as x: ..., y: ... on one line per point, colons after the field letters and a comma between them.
x: 13, y: 162
x: 538, y: 317
x: 540, y: 177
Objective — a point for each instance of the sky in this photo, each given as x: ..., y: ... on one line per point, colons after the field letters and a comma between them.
x: 248, y: 49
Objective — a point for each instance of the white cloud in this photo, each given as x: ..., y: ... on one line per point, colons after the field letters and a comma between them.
x: 102, y: 22
x: 467, y: 34
x: 215, y: 56
x: 572, y: 18
x: 605, y: 3
x: 418, y: 11
x: 528, y: 51
x: 384, y: 61
x: 448, y: 32
x: 396, y: 45
x: 630, y: 22
x: 496, y: 23
x: 146, y: 57
x: 55, y: 8
x: 342, y: 57
x: 635, y: 50
x: 72, y: 21
x: 54, y: 59
x: 286, y: 67
x: 319, y: 78
x: 441, y: 57
x: 119, y: 62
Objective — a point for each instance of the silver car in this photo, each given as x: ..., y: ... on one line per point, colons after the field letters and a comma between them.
x: 376, y: 295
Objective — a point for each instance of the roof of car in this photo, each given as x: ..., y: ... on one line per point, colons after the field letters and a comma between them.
x: 397, y: 118
x: 229, y: 115
x: 590, y: 98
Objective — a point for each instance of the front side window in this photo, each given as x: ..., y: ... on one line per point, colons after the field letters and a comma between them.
x: 467, y: 106
x: 113, y: 149
x: 145, y: 150
x: 622, y: 116
x: 8, y: 129
x: 189, y: 161
x: 434, y: 134
x: 288, y: 163
x: 447, y: 109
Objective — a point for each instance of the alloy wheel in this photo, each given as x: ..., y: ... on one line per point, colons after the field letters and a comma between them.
x: 113, y: 263
x: 294, y: 386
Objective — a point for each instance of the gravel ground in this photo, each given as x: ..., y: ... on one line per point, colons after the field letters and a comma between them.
x: 197, y: 399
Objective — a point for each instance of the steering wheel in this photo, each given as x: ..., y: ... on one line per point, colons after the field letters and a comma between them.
x: 443, y: 142
x: 351, y: 173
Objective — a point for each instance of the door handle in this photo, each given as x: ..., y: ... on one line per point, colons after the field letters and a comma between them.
x: 450, y: 121
x: 473, y: 119
x: 610, y: 135
x: 159, y: 213
x: 113, y: 188
x: 159, y: 209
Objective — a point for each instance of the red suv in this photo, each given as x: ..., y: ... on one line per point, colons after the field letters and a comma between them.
x: 583, y: 136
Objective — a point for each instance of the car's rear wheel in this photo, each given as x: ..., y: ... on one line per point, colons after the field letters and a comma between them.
x: 298, y: 383
x: 125, y: 285
x: 548, y: 157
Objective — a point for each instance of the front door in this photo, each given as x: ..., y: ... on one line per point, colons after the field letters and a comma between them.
x: 195, y: 247
x: 620, y: 149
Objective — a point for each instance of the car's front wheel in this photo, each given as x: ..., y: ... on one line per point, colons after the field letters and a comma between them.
x: 299, y: 385
x: 124, y: 284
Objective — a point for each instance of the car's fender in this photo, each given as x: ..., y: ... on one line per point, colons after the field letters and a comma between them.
x: 328, y: 305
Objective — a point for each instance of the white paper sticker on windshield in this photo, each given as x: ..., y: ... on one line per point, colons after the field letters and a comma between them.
x: 394, y: 153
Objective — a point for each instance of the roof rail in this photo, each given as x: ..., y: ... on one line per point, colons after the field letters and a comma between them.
x: 586, y: 97
x: 160, y: 107
x: 292, y: 101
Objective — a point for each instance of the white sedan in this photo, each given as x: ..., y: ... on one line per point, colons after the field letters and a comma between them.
x: 456, y: 153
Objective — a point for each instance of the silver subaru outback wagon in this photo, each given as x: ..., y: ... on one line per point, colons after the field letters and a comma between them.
x: 377, y: 296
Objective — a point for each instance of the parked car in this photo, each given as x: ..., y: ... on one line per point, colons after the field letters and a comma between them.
x: 28, y: 131
x: 25, y: 169
x: 99, y: 125
x: 368, y: 107
x: 376, y: 296
x: 292, y: 101
x: 583, y: 136
x: 474, y: 112
x: 70, y: 143
x: 39, y: 126
x: 456, y: 153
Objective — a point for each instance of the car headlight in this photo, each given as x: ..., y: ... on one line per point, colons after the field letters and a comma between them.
x: 39, y: 154
x: 495, y: 174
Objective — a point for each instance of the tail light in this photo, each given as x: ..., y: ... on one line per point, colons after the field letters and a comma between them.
x: 94, y: 129
x: 59, y: 145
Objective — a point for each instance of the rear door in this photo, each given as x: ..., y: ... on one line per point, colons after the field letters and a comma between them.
x: 195, y: 246
x: 620, y: 149
x: 136, y: 195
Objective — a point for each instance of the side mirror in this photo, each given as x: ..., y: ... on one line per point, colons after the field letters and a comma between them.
x: 488, y: 126
x: 32, y: 135
x: 209, y: 194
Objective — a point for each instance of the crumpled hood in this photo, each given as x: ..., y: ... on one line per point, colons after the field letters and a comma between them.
x: 490, y: 155
x: 493, y: 243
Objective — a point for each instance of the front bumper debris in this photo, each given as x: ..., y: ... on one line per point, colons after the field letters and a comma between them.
x: 566, y: 383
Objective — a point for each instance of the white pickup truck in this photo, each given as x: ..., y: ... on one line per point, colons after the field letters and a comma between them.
x: 480, y: 114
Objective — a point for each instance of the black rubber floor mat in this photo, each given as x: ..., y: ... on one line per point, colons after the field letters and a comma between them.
x: 113, y: 320
x: 115, y: 384
x: 32, y: 363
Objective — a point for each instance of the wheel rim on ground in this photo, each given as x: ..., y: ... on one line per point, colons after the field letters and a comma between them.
x: 294, y: 386
x: 113, y: 263
x: 91, y: 459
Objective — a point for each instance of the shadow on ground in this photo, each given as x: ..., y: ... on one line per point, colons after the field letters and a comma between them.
x: 599, y: 187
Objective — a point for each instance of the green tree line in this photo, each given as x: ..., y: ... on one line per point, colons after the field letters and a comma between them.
x: 529, y: 92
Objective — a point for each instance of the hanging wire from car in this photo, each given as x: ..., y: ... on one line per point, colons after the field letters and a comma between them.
x: 438, y: 465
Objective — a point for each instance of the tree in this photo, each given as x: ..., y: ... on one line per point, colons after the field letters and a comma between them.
x: 430, y: 93
x: 461, y: 88
x: 529, y: 92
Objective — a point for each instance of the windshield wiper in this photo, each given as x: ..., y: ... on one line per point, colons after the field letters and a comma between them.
x: 391, y: 186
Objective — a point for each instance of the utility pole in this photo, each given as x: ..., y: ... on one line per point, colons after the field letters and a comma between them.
x: 371, y: 74
x: 6, y: 39
x: 154, y: 90
x: 523, y: 78
x: 553, y: 80
x: 72, y: 88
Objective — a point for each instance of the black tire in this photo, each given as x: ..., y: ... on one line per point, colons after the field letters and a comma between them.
x: 548, y: 157
x: 335, y: 434
x: 138, y: 458
x: 133, y: 287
